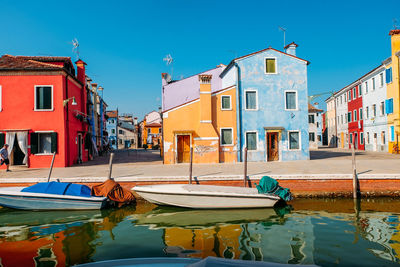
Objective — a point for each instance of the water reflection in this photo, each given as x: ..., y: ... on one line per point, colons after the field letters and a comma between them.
x: 322, y: 232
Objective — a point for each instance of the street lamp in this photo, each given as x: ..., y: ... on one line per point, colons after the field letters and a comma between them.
x: 65, y: 102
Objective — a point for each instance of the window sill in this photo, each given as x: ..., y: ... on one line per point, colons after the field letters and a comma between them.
x: 43, y: 154
x: 227, y: 145
x: 291, y: 109
x: 43, y: 110
x: 251, y: 109
x: 224, y: 109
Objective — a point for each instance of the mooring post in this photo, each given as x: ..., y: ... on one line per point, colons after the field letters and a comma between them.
x: 51, y: 167
x: 191, y: 165
x: 355, y: 187
x: 245, y: 168
x: 110, y: 165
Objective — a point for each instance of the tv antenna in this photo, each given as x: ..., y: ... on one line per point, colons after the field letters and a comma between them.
x: 284, y: 35
x: 169, y: 61
x: 75, y: 47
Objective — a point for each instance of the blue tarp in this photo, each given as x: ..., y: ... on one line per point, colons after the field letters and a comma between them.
x: 58, y: 188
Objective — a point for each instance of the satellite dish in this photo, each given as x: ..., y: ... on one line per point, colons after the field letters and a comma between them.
x: 168, y: 78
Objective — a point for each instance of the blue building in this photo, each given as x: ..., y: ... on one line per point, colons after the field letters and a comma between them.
x: 272, y: 105
x: 112, y: 128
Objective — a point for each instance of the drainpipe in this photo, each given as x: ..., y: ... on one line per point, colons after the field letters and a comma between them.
x: 239, y: 113
x: 67, y: 121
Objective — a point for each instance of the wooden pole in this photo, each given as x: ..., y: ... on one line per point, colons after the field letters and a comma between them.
x: 110, y: 165
x: 191, y: 165
x: 245, y: 167
x: 355, y: 187
x: 51, y: 167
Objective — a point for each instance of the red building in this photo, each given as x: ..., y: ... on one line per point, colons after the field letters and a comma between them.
x: 43, y: 110
x: 355, y: 117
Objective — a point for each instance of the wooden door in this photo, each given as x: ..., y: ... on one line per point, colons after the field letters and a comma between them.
x: 183, y: 148
x: 273, y: 146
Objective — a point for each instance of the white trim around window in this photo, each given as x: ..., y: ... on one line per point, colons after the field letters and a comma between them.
x: 1, y: 103
x: 245, y: 139
x: 34, y: 98
x: 230, y: 102
x: 220, y: 135
x: 288, y: 138
x: 265, y: 66
x: 297, y: 99
x: 245, y: 97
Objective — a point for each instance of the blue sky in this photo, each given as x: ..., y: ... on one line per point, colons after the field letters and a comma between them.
x: 124, y: 42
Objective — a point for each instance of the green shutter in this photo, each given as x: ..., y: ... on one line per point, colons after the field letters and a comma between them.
x: 34, y: 143
x: 2, y: 139
x: 53, y: 142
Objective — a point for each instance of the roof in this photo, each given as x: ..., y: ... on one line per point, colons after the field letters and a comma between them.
x: 311, y: 108
x: 8, y: 62
x: 153, y: 125
x: 254, y: 53
x: 112, y: 113
x: 126, y: 125
x: 393, y: 32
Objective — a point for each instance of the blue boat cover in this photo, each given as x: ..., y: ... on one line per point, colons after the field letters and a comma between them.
x: 58, y: 188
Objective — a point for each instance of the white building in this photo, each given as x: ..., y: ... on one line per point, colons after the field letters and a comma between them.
x: 341, y: 117
x: 314, y: 126
x: 375, y: 118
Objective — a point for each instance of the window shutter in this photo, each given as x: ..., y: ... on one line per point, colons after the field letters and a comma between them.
x: 34, y: 143
x: 391, y: 105
x: 2, y: 139
x: 53, y: 142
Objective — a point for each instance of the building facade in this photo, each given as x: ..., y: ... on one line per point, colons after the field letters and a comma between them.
x: 331, y: 120
x: 49, y: 116
x: 151, y: 130
x: 342, y: 118
x: 112, y: 128
x: 355, y: 116
x: 315, y: 125
x: 258, y: 102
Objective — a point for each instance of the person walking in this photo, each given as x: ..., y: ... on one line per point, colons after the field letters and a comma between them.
x: 4, y: 157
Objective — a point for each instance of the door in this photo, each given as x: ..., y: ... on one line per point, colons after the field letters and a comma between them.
x: 183, y: 143
x: 79, y: 148
x: 273, y: 146
x: 355, y: 141
x: 342, y: 140
x: 375, y: 141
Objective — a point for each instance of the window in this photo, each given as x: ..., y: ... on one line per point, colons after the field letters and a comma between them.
x: 290, y: 100
x: 381, y: 79
x: 43, y: 97
x: 368, y: 138
x: 389, y: 106
x: 389, y: 75
x: 374, y: 110
x: 226, y: 136
x: 43, y: 143
x: 355, y: 115
x: 319, y: 138
x: 341, y: 119
x: 349, y: 116
x: 367, y: 113
x: 311, y: 136
x: 120, y: 141
x: 361, y: 138
x: 383, y: 137
x: 310, y: 118
x: 360, y: 113
x: 351, y: 138
x: 113, y: 131
x: 354, y: 93
x: 366, y: 87
x: 373, y: 84
x: 341, y: 100
x: 349, y: 97
x: 251, y: 140
x: 345, y: 98
x: 392, y: 133
x: 113, y: 142
x: 270, y: 66
x: 159, y: 130
x: 382, y: 108
x: 120, y: 132
x: 294, y: 140
x: 226, y: 102
x: 317, y: 124
x: 251, y: 100
x: 359, y: 90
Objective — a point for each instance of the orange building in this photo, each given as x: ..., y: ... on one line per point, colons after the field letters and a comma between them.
x: 206, y: 123
x: 151, y: 129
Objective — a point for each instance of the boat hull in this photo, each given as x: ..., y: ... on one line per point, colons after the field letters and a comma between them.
x: 199, y: 198
x: 13, y: 198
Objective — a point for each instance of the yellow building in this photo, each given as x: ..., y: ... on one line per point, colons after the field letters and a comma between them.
x: 392, y: 79
x: 206, y: 123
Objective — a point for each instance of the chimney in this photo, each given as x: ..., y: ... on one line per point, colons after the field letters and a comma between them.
x: 135, y: 121
x: 291, y: 48
x: 205, y: 98
x: 81, y: 76
x: 395, y: 36
x: 166, y: 78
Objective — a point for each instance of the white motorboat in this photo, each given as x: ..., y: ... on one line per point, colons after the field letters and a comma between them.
x: 205, y: 196
x: 17, y: 198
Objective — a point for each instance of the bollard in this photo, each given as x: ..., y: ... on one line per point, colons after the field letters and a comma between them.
x: 51, y: 167
x: 110, y: 165
x: 355, y: 187
x: 245, y: 168
x: 191, y: 165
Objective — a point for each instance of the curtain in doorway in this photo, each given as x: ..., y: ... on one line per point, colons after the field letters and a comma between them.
x: 22, y: 138
x: 10, y: 138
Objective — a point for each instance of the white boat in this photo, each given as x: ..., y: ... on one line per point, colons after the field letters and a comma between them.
x: 13, y: 197
x: 205, y: 196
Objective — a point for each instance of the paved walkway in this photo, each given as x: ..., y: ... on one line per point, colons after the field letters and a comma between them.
x: 139, y: 164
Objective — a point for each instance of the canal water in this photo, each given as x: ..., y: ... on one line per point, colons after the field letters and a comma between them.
x: 327, y: 232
